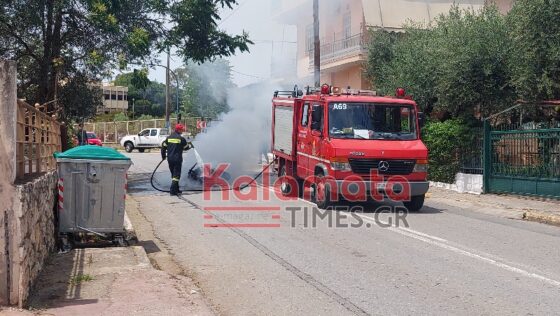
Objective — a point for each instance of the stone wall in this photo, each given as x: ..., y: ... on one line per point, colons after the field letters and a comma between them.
x: 27, y: 222
x: 34, y: 236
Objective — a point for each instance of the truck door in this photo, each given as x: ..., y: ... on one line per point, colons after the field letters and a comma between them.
x: 316, y: 137
x: 143, y: 138
x: 153, y: 138
x: 303, y: 138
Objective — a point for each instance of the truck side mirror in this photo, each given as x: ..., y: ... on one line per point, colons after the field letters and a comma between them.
x: 317, y: 118
x: 421, y: 119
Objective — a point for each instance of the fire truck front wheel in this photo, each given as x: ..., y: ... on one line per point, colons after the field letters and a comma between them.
x: 321, y: 193
x: 415, y: 203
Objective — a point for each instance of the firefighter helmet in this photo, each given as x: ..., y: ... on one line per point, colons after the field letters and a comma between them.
x: 179, y: 128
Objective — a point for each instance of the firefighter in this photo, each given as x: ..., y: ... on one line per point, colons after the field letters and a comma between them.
x: 81, y: 135
x: 172, y: 149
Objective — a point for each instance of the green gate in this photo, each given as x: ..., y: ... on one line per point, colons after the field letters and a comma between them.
x: 523, y: 160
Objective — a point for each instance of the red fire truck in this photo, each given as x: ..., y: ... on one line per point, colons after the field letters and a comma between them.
x: 333, y: 141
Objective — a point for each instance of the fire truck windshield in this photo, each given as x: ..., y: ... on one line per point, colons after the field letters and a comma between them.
x: 372, y: 121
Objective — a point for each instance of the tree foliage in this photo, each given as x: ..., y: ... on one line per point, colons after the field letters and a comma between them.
x: 84, y: 97
x: 205, y: 88
x: 534, y: 28
x: 457, y: 65
x: 148, y: 96
x: 58, y: 40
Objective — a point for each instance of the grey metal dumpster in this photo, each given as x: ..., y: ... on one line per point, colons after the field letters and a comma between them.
x: 92, y: 190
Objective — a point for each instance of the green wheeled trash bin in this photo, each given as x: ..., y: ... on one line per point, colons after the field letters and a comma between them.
x: 91, y: 194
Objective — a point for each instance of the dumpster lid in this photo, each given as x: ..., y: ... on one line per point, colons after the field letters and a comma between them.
x: 91, y: 152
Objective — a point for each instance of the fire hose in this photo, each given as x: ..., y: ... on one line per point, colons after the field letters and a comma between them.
x: 242, y: 187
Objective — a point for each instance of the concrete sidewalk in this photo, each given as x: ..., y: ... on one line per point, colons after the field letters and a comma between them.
x: 111, y: 281
x: 510, y: 206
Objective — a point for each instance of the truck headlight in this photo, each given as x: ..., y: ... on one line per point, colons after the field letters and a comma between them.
x: 421, y: 166
x: 340, y: 164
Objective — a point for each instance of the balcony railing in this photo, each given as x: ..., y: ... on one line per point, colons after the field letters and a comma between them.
x: 340, y: 49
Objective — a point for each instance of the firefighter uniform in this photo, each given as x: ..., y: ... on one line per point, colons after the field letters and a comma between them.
x: 172, y: 149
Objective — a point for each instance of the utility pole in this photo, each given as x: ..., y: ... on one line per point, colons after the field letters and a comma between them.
x: 317, y: 44
x: 167, y: 123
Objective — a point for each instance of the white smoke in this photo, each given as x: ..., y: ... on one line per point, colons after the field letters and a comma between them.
x: 240, y: 136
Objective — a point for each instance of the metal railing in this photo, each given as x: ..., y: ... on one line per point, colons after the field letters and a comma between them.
x: 38, y: 138
x: 340, y: 49
x: 526, y: 153
x: 471, y: 153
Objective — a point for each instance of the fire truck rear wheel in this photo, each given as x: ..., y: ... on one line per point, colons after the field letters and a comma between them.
x: 415, y: 204
x: 285, y: 186
x: 321, y: 194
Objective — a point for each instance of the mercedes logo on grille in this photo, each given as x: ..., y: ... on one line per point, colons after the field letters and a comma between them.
x: 383, y: 166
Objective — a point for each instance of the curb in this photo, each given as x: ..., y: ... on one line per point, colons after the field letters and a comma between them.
x: 542, y: 217
x: 127, y: 223
x: 452, y: 187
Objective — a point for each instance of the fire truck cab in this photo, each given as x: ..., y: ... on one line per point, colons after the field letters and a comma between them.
x: 354, y: 139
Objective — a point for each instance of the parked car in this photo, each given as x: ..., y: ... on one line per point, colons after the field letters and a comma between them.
x: 93, y: 139
x: 148, y: 138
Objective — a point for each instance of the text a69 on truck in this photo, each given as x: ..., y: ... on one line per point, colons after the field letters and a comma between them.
x: 349, y: 145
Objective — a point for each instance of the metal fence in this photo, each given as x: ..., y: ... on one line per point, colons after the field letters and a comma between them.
x: 523, y: 159
x: 526, y: 153
x: 38, y: 137
x: 112, y: 132
x: 471, y: 153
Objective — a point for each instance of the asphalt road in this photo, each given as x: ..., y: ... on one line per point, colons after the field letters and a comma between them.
x: 449, y: 260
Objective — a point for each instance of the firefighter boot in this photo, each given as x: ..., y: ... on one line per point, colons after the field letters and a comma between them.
x: 175, y: 188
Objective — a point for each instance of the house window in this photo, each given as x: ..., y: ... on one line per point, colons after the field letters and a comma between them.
x: 113, y: 95
x: 120, y: 95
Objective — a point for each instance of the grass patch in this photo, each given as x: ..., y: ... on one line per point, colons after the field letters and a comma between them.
x: 81, y: 278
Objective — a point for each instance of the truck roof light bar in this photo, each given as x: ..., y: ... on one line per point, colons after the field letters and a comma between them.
x: 290, y: 94
x: 370, y: 93
x: 280, y: 93
x: 312, y: 90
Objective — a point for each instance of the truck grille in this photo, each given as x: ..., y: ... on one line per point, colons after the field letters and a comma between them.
x: 396, y: 167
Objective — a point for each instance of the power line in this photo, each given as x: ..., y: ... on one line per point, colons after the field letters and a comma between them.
x: 233, y: 12
x: 253, y: 76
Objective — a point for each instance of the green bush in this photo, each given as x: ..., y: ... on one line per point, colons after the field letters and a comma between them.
x: 444, y: 141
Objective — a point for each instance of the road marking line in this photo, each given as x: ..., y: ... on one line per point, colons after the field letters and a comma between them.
x: 443, y: 243
x: 421, y: 234
x: 433, y: 240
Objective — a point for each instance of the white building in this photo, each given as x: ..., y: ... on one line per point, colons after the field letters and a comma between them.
x: 343, y: 31
x: 115, y: 99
